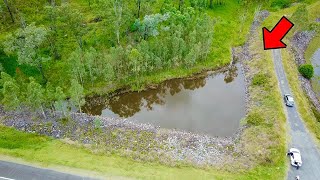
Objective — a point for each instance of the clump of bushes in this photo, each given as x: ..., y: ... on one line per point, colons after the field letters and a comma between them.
x: 255, y: 119
x: 306, y: 70
x: 259, y: 79
x: 280, y: 4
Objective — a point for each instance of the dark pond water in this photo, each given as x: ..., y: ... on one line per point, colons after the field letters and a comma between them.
x: 211, y: 104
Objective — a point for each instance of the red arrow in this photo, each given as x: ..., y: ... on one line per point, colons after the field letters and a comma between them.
x: 273, y: 39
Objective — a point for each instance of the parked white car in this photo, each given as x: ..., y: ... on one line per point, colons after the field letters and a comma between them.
x: 295, y: 157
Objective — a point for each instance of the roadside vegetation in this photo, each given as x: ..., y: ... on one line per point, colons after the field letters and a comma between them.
x: 87, y: 53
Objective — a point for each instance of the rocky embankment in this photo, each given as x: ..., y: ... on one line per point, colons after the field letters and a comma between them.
x: 143, y: 142
x: 139, y: 141
x: 299, y: 44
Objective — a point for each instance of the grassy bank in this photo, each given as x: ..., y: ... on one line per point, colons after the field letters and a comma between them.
x: 49, y: 152
x: 313, y: 46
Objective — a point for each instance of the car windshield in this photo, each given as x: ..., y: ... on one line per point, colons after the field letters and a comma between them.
x: 290, y: 98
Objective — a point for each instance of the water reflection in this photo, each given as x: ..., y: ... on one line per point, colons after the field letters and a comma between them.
x: 211, y: 104
x: 231, y: 73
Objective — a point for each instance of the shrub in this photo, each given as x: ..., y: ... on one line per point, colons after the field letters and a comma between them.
x: 255, y: 119
x: 64, y: 121
x: 306, y: 70
x: 259, y: 79
x: 280, y: 4
x: 97, y: 123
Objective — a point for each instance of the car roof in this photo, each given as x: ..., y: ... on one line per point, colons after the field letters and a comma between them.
x: 290, y: 98
x: 294, y: 149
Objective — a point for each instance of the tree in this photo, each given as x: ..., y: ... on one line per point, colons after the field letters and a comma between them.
x: 117, y: 9
x: 10, y: 92
x: 60, y: 100
x: 76, y: 94
x: 306, y: 70
x: 135, y: 62
x: 35, y: 96
x: 73, y: 20
x: 49, y: 95
x: 181, y: 3
x: 139, y: 8
x: 52, y: 13
x: 9, y: 10
x: 1, y: 68
x: 76, y: 65
x: 149, y: 25
x: 90, y: 58
x: 140, y: 4
x: 27, y: 44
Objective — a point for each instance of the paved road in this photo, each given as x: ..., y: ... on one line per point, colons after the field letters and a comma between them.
x: 300, y: 137
x: 12, y: 171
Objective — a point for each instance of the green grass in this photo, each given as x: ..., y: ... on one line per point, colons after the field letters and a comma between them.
x: 312, y: 48
x: 47, y: 151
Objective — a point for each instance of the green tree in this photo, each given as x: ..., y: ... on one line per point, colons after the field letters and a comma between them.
x: 52, y: 14
x: 73, y: 20
x: 76, y: 65
x: 90, y: 58
x: 118, y: 12
x: 143, y: 5
x: 1, y: 68
x: 9, y: 10
x: 10, y: 92
x: 76, y: 92
x: 149, y: 25
x: 306, y: 70
x: 135, y: 59
x: 27, y: 43
x: 35, y: 96
x: 49, y: 95
x: 60, y: 100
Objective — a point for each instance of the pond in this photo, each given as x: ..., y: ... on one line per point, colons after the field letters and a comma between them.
x: 210, y: 104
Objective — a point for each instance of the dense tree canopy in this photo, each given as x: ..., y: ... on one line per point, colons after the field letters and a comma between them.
x: 70, y: 49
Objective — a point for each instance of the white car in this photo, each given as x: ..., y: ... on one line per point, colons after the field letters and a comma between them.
x: 295, y: 157
x: 288, y: 99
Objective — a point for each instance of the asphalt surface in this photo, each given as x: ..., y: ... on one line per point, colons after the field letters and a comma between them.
x: 12, y: 171
x: 300, y: 137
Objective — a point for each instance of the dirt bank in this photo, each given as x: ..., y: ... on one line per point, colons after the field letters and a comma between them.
x: 299, y: 44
